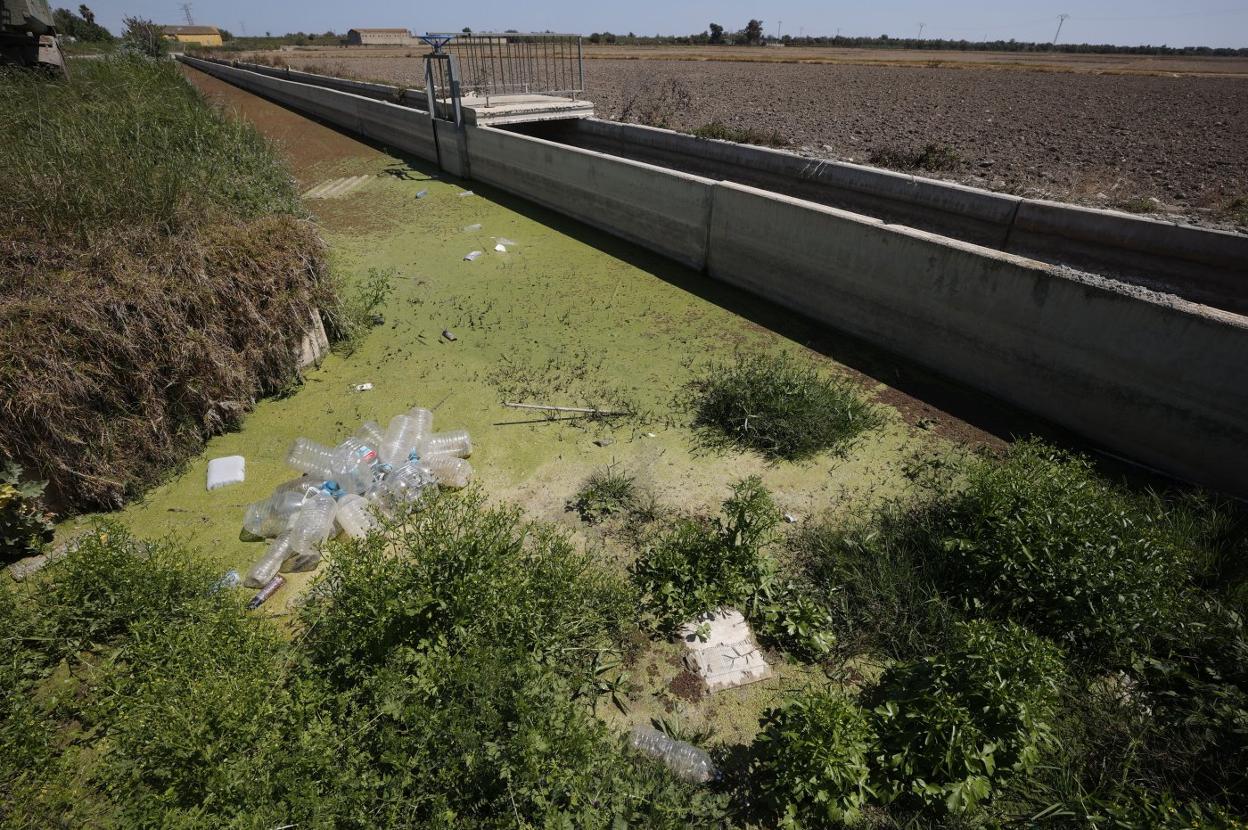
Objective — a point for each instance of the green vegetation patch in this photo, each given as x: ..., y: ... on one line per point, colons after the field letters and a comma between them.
x: 442, y: 673
x: 778, y: 406
x: 607, y: 492
x: 158, y: 279
x: 701, y: 564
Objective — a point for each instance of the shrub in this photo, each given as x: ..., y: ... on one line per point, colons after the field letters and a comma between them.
x: 1041, y: 538
x: 606, y: 493
x: 812, y: 760
x: 25, y: 527
x: 952, y: 725
x: 703, y: 564
x: 445, y: 675
x: 777, y: 406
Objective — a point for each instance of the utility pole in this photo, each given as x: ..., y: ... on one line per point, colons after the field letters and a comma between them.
x: 922, y: 26
x: 1061, y: 19
x: 186, y: 12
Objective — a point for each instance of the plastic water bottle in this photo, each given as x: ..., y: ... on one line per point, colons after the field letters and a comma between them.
x: 295, y: 548
x: 308, y: 456
x: 456, y: 443
x: 312, y: 525
x: 269, y: 517
x: 408, y: 484
x: 355, y: 516
x: 355, y: 461
x: 449, y: 471
x: 403, y: 434
x: 370, y: 433
x: 685, y: 760
x: 267, y: 566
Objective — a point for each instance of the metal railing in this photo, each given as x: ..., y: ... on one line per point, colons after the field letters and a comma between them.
x: 489, y: 65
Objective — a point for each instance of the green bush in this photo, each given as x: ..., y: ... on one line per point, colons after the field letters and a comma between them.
x: 444, y: 674
x: 699, y: 565
x: 878, y: 584
x: 812, y: 760
x: 25, y: 527
x: 1041, y: 538
x: 953, y: 725
x: 778, y: 406
x: 720, y: 131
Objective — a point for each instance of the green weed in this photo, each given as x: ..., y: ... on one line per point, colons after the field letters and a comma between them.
x: 606, y: 493
x: 778, y: 406
x: 699, y: 565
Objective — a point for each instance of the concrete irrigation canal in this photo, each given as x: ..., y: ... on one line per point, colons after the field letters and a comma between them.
x: 1056, y: 309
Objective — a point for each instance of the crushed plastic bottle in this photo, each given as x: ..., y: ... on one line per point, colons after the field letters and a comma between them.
x: 449, y: 471
x: 312, y: 525
x: 455, y: 442
x: 685, y: 760
x: 295, y: 548
x: 270, y: 517
x: 356, y: 516
x: 407, y: 485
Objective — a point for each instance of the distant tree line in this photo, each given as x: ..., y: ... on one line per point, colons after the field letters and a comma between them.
x: 81, y: 26
x: 752, y: 35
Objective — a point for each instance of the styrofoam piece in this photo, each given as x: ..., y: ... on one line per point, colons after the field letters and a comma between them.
x: 472, y: 256
x: 501, y: 248
x: 224, y: 471
x: 472, y: 228
x: 727, y: 656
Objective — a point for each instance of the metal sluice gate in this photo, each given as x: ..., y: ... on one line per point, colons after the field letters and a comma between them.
x: 483, y: 66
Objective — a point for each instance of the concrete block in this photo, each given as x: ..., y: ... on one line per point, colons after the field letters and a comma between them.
x: 721, y: 650
x: 1151, y: 377
x: 656, y: 208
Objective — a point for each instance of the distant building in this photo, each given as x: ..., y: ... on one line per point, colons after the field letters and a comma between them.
x: 203, y: 35
x: 379, y: 37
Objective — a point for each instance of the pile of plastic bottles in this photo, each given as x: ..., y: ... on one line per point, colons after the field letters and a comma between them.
x: 344, y: 487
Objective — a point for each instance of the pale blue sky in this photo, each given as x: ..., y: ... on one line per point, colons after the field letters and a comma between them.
x: 1172, y: 22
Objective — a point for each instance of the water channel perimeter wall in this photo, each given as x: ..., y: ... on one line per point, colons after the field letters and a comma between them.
x: 1157, y: 379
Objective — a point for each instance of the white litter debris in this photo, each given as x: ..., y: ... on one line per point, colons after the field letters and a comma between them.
x: 501, y: 248
x: 472, y: 256
x: 472, y: 228
x: 502, y: 240
x: 722, y: 650
x: 225, y: 471
x: 790, y: 518
x: 466, y: 193
x: 422, y: 194
x: 363, y: 387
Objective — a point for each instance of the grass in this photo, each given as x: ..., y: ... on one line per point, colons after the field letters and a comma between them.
x: 158, y: 279
x: 607, y: 492
x: 741, y: 135
x: 777, y: 406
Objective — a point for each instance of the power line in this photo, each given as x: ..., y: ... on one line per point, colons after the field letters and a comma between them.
x: 186, y: 12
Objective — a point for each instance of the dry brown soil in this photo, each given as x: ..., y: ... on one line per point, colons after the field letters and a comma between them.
x: 1061, y: 127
